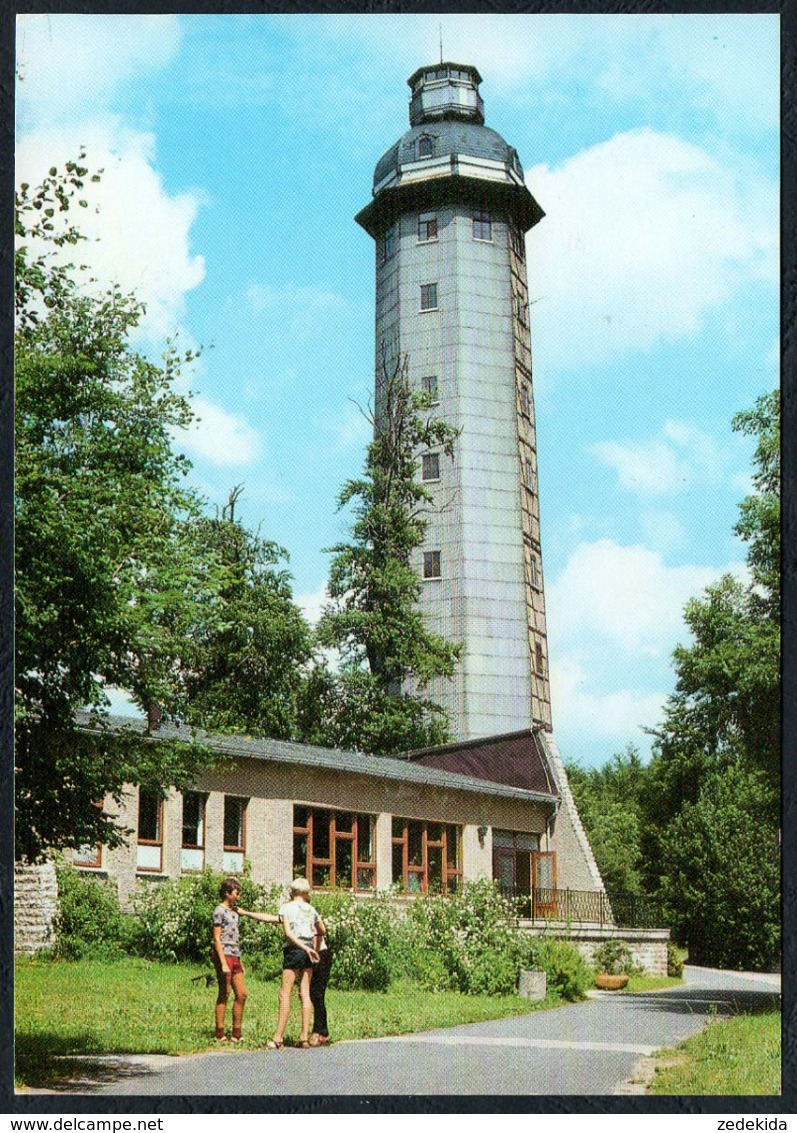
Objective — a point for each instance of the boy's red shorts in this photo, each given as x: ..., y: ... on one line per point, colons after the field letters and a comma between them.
x: 234, y: 964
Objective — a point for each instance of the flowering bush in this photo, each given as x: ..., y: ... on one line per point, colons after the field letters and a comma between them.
x: 614, y: 959
x: 176, y: 920
x: 360, y: 934
x: 464, y: 941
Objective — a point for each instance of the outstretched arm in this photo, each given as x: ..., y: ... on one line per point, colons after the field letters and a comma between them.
x: 266, y: 918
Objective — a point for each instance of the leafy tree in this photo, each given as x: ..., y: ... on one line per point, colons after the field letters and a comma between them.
x: 721, y: 872
x: 245, y: 674
x: 378, y: 701
x: 721, y: 727
x: 109, y: 575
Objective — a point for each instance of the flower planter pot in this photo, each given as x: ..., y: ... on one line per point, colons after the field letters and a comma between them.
x: 610, y: 983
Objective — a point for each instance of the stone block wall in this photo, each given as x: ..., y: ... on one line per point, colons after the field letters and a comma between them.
x: 35, y: 906
x: 648, y: 946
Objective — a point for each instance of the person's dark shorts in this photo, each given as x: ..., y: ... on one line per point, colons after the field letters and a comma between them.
x: 233, y: 963
x: 296, y: 958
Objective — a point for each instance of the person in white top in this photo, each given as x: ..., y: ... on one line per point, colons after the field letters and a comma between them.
x: 299, y: 920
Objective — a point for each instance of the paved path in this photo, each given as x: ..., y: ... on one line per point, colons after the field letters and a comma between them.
x: 585, y: 1048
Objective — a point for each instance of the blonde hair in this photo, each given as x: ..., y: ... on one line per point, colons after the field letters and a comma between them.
x: 300, y: 885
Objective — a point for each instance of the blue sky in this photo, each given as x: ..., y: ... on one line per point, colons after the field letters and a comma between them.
x: 236, y: 151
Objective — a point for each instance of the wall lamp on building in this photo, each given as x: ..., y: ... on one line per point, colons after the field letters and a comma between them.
x: 482, y: 833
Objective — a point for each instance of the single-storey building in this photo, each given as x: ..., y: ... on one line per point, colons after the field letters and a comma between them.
x: 423, y: 823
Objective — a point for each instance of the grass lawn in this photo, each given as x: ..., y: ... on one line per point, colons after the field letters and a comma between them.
x: 134, y: 1006
x: 731, y: 1056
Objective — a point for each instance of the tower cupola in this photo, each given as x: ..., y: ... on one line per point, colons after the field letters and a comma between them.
x: 447, y: 90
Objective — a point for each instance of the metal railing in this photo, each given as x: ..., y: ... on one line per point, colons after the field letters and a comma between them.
x: 580, y: 906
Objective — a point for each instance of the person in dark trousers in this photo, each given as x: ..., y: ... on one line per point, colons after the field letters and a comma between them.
x: 318, y: 986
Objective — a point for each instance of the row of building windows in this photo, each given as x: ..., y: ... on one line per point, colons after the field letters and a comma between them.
x: 482, y: 229
x: 334, y: 849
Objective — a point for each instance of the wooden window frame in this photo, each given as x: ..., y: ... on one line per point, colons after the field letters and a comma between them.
x: 97, y: 863
x: 229, y: 849
x: 429, y: 565
x: 422, y: 870
x: 543, y: 906
x: 203, y: 803
x: 335, y: 836
x: 150, y: 841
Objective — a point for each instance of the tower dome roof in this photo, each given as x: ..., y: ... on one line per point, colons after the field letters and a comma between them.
x: 447, y: 153
x: 450, y: 137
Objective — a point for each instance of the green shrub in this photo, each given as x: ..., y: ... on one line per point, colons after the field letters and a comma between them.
x: 89, y: 921
x: 675, y: 964
x: 614, y: 958
x: 568, y: 973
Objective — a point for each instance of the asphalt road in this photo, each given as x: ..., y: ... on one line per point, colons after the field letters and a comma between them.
x: 586, y: 1048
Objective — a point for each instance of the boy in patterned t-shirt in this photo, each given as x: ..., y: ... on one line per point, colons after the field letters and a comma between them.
x: 227, y: 956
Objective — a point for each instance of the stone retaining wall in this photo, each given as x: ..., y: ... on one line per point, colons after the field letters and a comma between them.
x: 35, y: 906
x: 648, y: 945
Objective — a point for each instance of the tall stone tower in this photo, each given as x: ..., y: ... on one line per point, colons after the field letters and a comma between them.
x: 449, y: 214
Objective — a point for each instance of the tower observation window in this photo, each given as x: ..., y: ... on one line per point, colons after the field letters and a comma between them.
x: 428, y: 296
x: 431, y: 565
x: 425, y: 146
x: 482, y: 225
x: 430, y: 466
x: 427, y: 227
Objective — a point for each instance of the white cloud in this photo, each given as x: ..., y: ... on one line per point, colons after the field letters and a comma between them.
x: 679, y: 457
x: 611, y: 715
x: 312, y: 605
x: 663, y: 530
x: 138, y: 235
x: 644, y: 235
x: 626, y: 595
x: 67, y: 63
x: 223, y: 438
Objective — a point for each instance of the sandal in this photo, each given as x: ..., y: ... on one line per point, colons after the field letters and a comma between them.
x: 272, y: 1045
x: 221, y: 1038
x: 236, y: 1038
x: 303, y: 1044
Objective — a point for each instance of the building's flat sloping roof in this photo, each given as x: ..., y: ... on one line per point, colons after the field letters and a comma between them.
x: 333, y: 759
x: 516, y: 759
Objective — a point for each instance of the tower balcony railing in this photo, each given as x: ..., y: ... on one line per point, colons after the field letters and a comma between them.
x: 587, y: 907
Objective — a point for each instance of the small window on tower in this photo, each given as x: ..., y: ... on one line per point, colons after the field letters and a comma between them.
x: 529, y: 474
x: 430, y: 466
x: 482, y: 225
x: 539, y: 662
x: 389, y: 243
x: 517, y: 241
x: 431, y: 565
x: 525, y: 401
x: 535, y: 574
x: 427, y: 227
x: 430, y: 388
x: 428, y: 296
x: 425, y: 146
